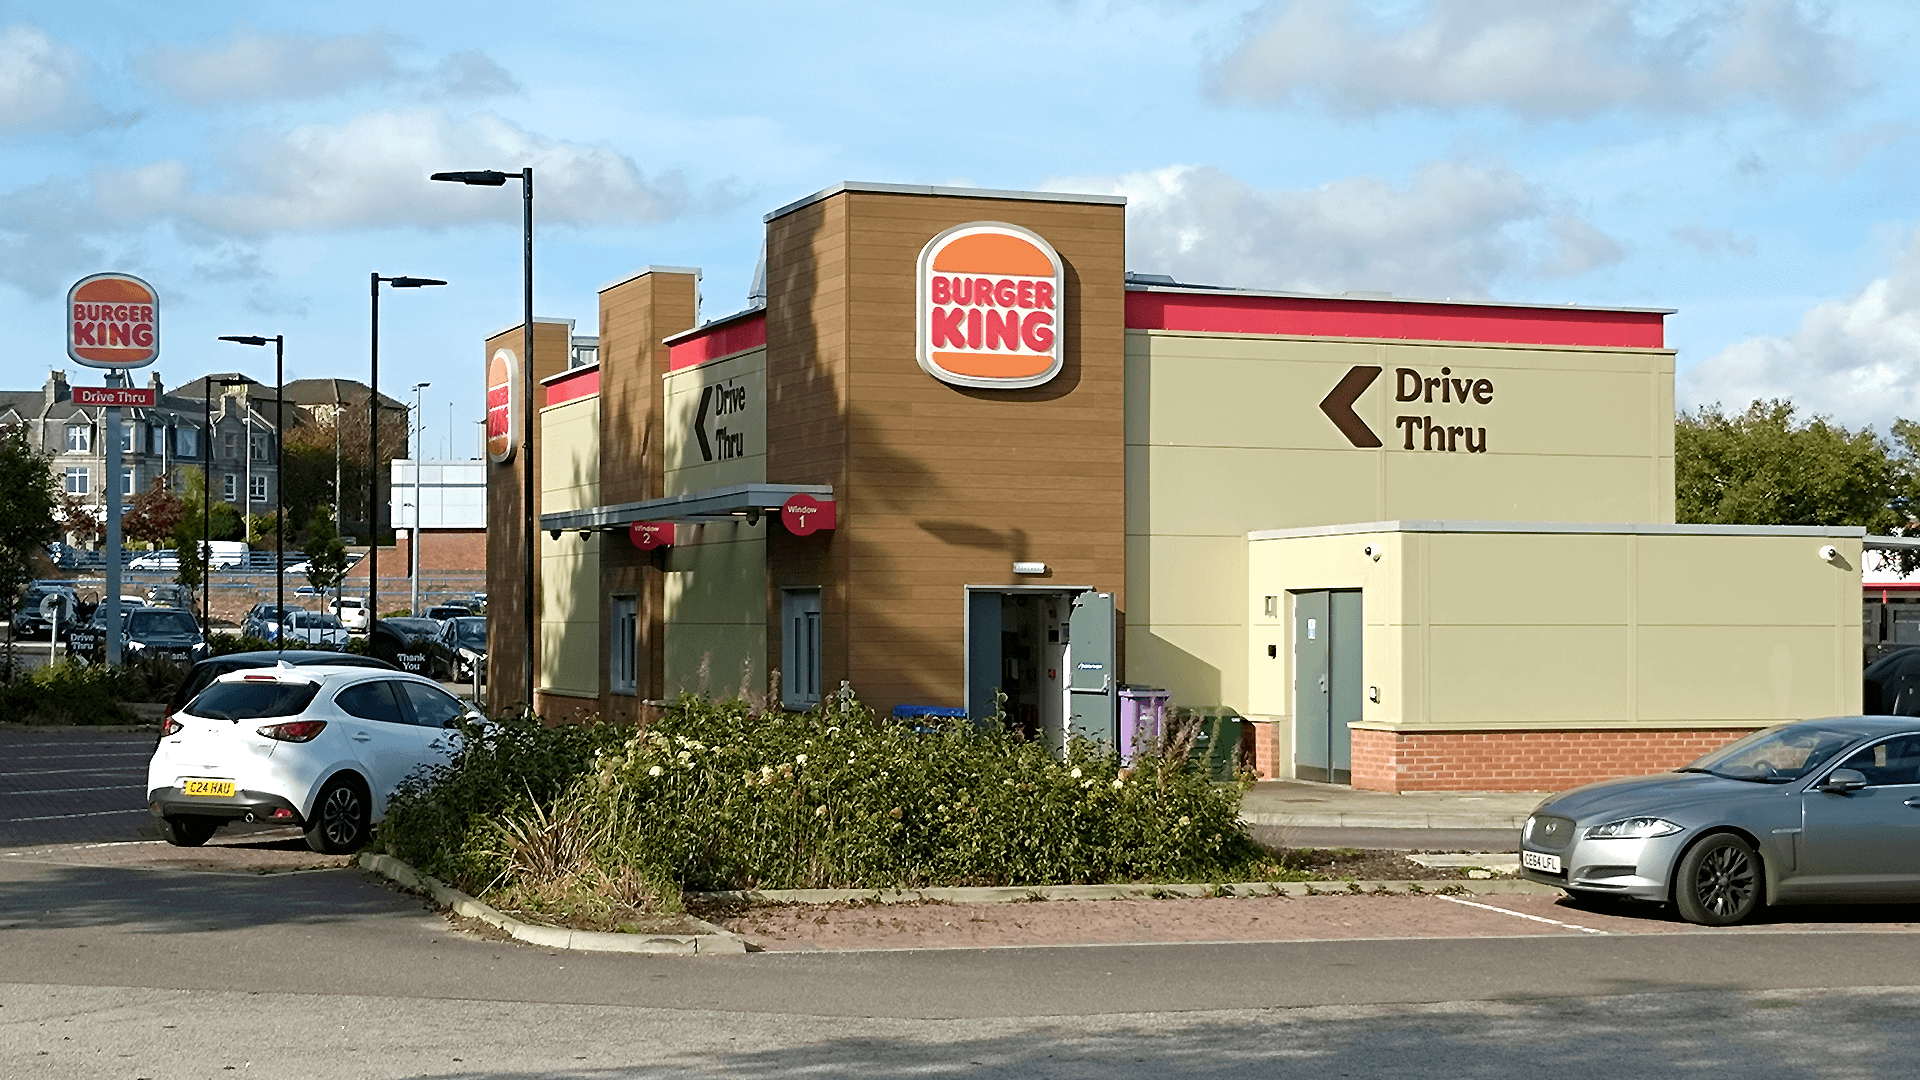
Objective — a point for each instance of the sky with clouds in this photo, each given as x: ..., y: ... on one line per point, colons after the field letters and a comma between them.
x: 1747, y: 162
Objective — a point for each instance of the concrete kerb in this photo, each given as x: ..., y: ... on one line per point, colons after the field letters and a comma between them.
x: 1019, y: 893
x: 714, y: 942
x: 1341, y: 820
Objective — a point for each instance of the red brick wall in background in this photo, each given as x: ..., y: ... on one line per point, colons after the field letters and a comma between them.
x: 1520, y: 760
x: 450, y: 551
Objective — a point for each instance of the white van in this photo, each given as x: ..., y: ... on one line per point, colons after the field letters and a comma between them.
x: 226, y: 554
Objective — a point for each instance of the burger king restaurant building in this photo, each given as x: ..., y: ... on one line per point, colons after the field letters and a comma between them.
x: 953, y: 451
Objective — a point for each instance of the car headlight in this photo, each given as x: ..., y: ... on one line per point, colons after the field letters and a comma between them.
x: 1633, y: 828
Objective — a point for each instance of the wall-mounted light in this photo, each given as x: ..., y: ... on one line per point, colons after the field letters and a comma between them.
x: 1373, y: 694
x: 1030, y: 568
x: 1272, y: 607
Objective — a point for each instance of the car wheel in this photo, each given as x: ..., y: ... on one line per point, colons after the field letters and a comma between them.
x: 339, y: 822
x: 188, y: 831
x: 1719, y: 881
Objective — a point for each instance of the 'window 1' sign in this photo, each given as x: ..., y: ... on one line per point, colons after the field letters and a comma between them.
x: 990, y: 307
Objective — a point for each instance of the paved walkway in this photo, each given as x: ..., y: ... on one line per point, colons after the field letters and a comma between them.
x: 1300, y: 804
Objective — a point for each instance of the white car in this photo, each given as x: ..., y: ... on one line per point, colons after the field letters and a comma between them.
x: 320, y: 747
x: 353, y: 612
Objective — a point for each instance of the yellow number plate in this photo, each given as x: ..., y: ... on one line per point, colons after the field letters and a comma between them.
x: 219, y: 788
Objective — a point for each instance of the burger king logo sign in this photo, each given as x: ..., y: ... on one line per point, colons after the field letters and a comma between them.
x: 990, y: 303
x: 503, y: 413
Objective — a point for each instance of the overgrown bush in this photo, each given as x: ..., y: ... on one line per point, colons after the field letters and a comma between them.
x: 222, y: 644
x: 71, y: 692
x: 721, y: 796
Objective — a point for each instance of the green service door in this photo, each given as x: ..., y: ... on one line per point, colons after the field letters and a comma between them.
x: 1093, y: 690
x: 1326, y: 683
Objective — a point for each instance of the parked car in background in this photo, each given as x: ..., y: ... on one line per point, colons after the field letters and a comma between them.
x: 175, y: 596
x: 1892, y: 685
x: 165, y: 561
x: 403, y: 642
x: 203, y: 673
x: 1818, y: 811
x: 167, y: 633
x: 319, y: 629
x: 263, y: 620
x: 227, y: 554
x: 352, y: 612
x: 440, y: 613
x: 319, y: 747
x: 459, y: 647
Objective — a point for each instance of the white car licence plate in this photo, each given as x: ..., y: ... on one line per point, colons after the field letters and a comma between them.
x: 1535, y: 860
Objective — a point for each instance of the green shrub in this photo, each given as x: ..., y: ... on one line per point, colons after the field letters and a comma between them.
x: 719, y: 796
x: 71, y: 692
x: 221, y: 644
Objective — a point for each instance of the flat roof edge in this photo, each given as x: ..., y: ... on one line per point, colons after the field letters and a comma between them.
x: 649, y: 269
x: 713, y: 324
x: 1263, y: 294
x: 1850, y: 532
x: 931, y: 189
x: 537, y: 320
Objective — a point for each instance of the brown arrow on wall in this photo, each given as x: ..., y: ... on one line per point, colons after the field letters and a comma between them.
x: 1338, y: 405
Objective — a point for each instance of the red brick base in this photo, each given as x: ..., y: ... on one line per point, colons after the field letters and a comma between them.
x: 1520, y: 760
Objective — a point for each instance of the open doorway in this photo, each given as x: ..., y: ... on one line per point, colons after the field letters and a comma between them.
x: 1051, y: 653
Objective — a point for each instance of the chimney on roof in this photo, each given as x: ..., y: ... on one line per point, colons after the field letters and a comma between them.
x: 153, y: 383
x: 57, y: 389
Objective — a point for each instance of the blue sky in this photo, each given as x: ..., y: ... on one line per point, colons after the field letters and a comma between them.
x: 1748, y: 163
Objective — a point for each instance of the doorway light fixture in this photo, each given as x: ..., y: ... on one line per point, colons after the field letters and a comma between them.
x: 1030, y: 568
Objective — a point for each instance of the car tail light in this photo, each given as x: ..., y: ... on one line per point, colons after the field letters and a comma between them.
x: 168, y: 725
x: 294, y: 730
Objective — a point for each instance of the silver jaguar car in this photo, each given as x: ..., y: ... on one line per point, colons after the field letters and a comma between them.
x: 1811, y: 812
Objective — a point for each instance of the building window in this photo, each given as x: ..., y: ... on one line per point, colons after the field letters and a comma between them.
x: 622, y: 659
x: 259, y: 443
x: 79, y: 479
x: 799, y: 648
x: 257, y: 489
x: 156, y: 439
x: 230, y: 487
x: 79, y: 439
x: 230, y: 444
x: 126, y: 481
x: 186, y: 441
x: 128, y: 429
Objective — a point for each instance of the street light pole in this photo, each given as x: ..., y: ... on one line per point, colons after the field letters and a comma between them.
x: 494, y: 178
x: 373, y: 442
x: 279, y: 477
x: 419, y: 433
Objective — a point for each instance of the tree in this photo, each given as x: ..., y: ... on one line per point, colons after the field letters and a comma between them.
x: 1764, y: 467
x: 28, y: 498
x: 326, y: 554
x: 153, y: 514
x: 78, y: 518
x: 313, y: 448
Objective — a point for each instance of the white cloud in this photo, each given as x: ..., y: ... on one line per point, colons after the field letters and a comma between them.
x: 1716, y: 243
x: 256, y: 65
x: 1856, y: 359
x: 1452, y: 230
x: 42, y: 83
x: 1566, y: 58
x: 372, y: 172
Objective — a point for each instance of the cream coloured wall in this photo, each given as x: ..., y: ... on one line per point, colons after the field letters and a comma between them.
x: 1492, y: 627
x: 569, y: 654
x: 715, y: 609
x: 1225, y: 436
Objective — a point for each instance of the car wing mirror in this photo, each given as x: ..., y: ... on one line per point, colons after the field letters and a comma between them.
x: 1843, y: 781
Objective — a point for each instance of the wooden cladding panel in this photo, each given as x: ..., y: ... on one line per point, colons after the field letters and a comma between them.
x: 507, y: 512
x: 636, y: 316
x: 939, y: 487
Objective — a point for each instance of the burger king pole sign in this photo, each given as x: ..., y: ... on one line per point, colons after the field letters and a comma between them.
x: 990, y: 302
x: 503, y: 405
x: 113, y: 321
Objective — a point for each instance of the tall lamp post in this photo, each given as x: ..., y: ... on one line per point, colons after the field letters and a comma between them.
x: 494, y: 178
x: 279, y: 476
x: 373, y: 442
x: 413, y: 548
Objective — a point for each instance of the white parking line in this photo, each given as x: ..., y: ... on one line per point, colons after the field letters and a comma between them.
x: 63, y: 790
x: 1522, y: 915
x: 63, y: 772
x: 62, y: 817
